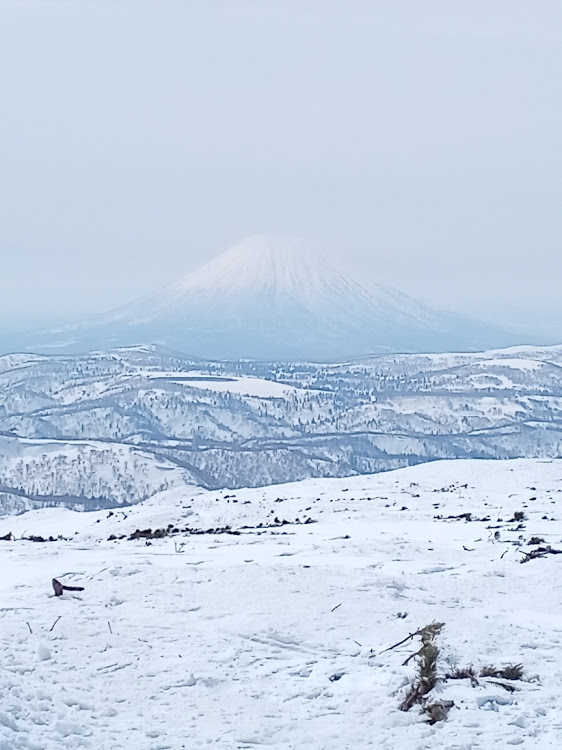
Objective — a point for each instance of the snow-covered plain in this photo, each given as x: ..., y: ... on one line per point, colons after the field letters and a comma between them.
x: 276, y: 637
x: 242, y: 386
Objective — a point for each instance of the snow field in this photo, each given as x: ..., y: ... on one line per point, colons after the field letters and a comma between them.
x: 275, y: 638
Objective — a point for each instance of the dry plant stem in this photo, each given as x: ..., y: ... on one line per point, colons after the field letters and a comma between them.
x: 55, y: 622
x: 427, y: 666
x: 540, y: 552
x: 404, y: 640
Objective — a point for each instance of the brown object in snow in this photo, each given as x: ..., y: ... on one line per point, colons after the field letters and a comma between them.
x: 59, y: 587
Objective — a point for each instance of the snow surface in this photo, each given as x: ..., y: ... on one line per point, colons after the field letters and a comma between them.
x: 262, y: 263
x: 276, y: 638
x: 243, y: 386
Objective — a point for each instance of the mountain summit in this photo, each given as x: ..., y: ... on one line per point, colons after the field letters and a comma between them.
x: 267, y: 298
x: 260, y: 262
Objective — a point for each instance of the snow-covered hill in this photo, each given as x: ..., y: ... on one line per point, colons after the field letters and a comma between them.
x: 271, y: 299
x: 81, y: 474
x: 234, y: 424
x: 279, y: 635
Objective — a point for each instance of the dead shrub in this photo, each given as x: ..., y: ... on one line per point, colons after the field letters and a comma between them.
x: 437, y: 711
x: 426, y: 675
x: 511, y: 672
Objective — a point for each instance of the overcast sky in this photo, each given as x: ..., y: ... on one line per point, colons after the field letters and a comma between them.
x: 416, y: 140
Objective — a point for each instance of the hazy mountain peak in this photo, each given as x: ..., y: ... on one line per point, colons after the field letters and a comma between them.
x: 276, y: 299
x: 260, y: 262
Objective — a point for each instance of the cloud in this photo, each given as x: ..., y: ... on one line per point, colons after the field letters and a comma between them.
x: 419, y: 141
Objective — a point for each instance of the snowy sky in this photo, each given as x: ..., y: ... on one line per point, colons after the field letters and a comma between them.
x: 417, y: 141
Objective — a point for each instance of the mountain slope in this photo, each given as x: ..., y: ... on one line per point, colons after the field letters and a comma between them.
x: 273, y: 299
x: 81, y: 474
x: 151, y: 413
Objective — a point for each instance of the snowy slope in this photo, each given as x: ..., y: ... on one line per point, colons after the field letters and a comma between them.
x: 83, y: 474
x: 267, y: 298
x: 277, y: 637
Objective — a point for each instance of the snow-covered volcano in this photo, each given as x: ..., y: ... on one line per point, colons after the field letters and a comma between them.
x: 275, y: 299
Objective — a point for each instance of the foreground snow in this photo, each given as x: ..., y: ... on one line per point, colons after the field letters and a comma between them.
x: 276, y: 637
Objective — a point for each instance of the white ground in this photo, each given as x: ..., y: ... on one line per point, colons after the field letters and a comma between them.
x: 231, y: 642
x: 244, y: 386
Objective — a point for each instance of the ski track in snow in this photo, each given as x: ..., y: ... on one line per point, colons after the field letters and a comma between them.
x: 231, y: 643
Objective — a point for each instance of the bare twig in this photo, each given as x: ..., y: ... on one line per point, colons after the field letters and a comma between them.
x: 336, y: 607
x: 53, y: 625
x: 505, y: 686
x: 404, y: 640
x: 29, y: 626
x: 109, y: 626
x: 407, y: 661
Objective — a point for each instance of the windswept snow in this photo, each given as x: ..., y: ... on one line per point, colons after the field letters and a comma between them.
x: 277, y: 637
